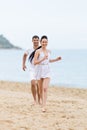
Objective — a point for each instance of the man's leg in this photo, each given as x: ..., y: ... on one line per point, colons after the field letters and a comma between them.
x: 38, y: 92
x: 33, y: 90
x: 40, y: 89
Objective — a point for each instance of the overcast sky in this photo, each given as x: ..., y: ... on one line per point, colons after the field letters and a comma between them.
x: 63, y: 21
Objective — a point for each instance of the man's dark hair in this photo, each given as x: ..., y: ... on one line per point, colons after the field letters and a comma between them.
x: 35, y: 36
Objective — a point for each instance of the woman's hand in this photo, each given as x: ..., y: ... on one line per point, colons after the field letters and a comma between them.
x: 45, y: 57
x: 58, y: 58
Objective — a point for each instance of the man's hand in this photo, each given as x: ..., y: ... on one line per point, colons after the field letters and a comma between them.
x: 24, y: 67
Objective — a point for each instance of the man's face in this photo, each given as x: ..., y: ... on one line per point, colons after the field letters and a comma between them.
x: 35, y: 41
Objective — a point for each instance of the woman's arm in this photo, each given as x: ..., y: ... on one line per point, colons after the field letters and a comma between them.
x: 36, y: 61
x: 54, y: 60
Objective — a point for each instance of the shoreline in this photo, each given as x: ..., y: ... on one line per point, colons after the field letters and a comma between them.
x: 51, y: 84
x: 66, y: 108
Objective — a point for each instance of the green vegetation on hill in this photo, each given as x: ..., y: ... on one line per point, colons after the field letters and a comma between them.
x: 5, y: 43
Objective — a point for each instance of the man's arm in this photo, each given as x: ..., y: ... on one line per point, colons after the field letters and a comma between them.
x: 24, y: 61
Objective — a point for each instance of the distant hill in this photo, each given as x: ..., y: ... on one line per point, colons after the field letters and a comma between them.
x: 5, y: 43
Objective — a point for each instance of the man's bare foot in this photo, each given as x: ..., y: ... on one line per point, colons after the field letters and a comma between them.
x: 34, y: 103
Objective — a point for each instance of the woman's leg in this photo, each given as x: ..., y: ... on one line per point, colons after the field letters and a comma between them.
x: 46, y: 82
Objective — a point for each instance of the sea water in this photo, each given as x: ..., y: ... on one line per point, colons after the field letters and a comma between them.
x: 70, y: 71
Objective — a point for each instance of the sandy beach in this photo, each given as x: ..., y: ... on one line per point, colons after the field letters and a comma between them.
x: 66, y: 108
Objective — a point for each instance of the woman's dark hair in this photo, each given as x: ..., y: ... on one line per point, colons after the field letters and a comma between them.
x: 32, y: 54
x: 44, y: 37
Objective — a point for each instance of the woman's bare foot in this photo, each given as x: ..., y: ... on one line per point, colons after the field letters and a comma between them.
x: 40, y: 102
x: 43, y: 109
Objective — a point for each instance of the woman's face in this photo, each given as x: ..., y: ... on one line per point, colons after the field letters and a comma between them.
x: 44, y: 42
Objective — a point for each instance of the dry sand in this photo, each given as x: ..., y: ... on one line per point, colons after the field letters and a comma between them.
x: 66, y: 108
